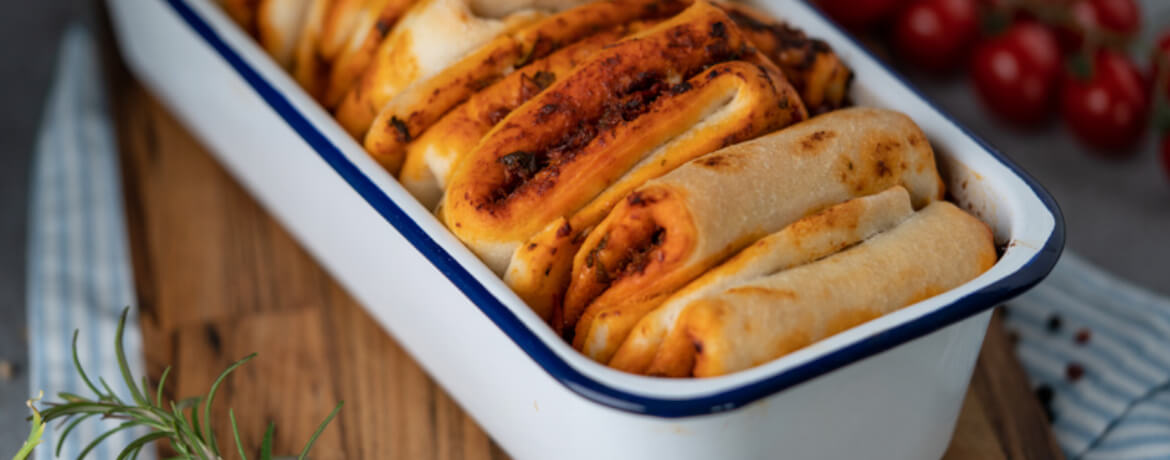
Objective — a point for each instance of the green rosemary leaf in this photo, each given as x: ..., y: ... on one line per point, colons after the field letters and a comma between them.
x: 65, y: 434
x: 195, y: 423
x: 120, y: 353
x: 34, y: 434
x: 101, y: 438
x: 313, y: 439
x: 179, y: 441
x: 162, y: 381
x: 111, y: 396
x: 207, y: 430
x: 236, y: 434
x: 184, y: 437
x: 134, y: 454
x: 132, y: 449
x: 266, y: 444
x: 80, y: 369
x: 151, y: 416
x: 146, y: 391
x: 70, y: 397
x: 187, y: 403
x: 80, y: 407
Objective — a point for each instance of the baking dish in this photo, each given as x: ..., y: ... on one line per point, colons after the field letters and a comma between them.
x: 890, y: 388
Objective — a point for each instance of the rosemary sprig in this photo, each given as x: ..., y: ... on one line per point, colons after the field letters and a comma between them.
x: 179, y: 423
x: 34, y: 435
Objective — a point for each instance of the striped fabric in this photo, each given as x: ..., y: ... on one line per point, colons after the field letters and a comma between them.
x: 79, y: 272
x: 1103, y: 348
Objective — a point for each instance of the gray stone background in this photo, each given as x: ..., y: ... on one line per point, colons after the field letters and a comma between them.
x: 1118, y: 213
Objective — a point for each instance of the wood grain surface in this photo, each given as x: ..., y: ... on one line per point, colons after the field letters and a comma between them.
x: 217, y: 279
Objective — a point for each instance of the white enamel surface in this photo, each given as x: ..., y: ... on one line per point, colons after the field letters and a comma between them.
x: 900, y: 404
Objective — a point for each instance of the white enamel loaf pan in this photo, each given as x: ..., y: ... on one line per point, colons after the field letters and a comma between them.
x: 888, y: 389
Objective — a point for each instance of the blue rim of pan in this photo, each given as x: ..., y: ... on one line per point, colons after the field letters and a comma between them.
x: 1018, y: 282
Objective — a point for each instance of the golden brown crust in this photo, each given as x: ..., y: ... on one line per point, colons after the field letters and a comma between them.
x: 278, y: 26
x: 339, y: 24
x: 431, y: 37
x: 564, y: 148
x: 372, y: 26
x: 411, y: 113
x: 820, y: 76
x: 806, y: 240
x: 310, y: 70
x: 758, y: 104
x: 937, y: 249
x: 736, y: 195
x: 450, y: 139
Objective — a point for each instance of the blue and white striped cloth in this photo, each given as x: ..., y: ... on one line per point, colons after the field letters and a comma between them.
x: 1102, y: 346
x: 79, y: 271
x: 79, y: 278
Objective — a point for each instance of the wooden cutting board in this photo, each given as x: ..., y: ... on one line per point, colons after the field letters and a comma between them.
x: 218, y: 278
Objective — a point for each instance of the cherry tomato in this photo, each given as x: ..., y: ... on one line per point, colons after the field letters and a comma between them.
x: 1107, y: 108
x: 935, y: 34
x: 859, y: 14
x: 1016, y: 73
x: 1117, y: 16
x: 1108, y: 22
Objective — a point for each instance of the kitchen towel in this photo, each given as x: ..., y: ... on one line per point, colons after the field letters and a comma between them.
x: 79, y: 275
x: 1097, y: 350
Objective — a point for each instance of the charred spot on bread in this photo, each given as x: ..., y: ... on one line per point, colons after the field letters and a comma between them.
x: 812, y: 141
x: 480, y: 84
x: 520, y: 164
x: 640, y: 199
x: 383, y: 26
x: 712, y: 161
x: 497, y: 114
x: 564, y: 230
x: 542, y: 79
x: 402, y: 132
x: 719, y: 30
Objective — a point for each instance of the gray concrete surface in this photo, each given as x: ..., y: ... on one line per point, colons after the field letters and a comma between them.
x: 1118, y: 213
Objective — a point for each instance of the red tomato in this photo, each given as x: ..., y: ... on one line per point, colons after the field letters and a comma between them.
x: 1105, y: 21
x: 859, y: 14
x: 1016, y: 73
x: 1106, y: 109
x: 935, y: 34
x: 1117, y: 16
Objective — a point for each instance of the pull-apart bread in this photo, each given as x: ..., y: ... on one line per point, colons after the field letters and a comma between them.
x: 431, y: 36
x: 673, y: 229
x: 645, y: 174
x: 635, y: 110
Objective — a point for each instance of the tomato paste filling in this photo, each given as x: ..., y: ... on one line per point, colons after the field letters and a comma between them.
x: 539, y: 168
